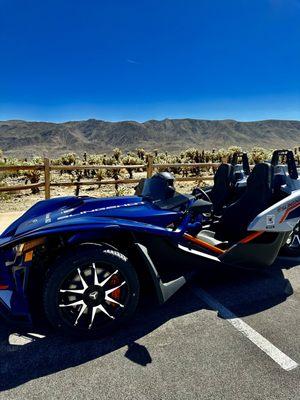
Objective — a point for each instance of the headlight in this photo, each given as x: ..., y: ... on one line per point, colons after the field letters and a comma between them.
x: 28, y: 247
x: 32, y: 244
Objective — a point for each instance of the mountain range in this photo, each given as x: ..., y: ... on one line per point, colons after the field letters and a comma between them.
x: 24, y: 139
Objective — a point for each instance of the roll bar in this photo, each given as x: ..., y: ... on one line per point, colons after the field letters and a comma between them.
x: 240, y: 157
x: 288, y: 156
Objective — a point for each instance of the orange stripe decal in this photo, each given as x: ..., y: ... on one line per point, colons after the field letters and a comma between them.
x: 3, y: 287
x: 203, y: 244
x: 288, y: 210
x: 252, y: 236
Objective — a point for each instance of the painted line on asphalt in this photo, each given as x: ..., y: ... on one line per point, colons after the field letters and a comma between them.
x: 267, y: 347
x: 17, y: 339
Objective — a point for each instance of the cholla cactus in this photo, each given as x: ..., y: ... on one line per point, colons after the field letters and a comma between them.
x: 100, y: 175
x: 68, y: 159
x: 208, y: 156
x: 234, y: 149
x: 258, y: 154
x: 222, y: 155
x: 55, y: 161
x: 109, y: 161
x: 141, y: 153
x: 123, y: 191
x: 32, y: 177
x: 112, y: 173
x: 190, y: 154
x: 94, y: 159
x: 117, y: 153
x: 37, y: 160
x: 130, y: 159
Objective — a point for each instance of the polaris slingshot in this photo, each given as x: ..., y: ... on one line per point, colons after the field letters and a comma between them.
x: 230, y: 182
x: 82, y: 261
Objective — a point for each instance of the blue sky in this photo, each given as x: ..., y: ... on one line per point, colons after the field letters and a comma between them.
x: 136, y: 59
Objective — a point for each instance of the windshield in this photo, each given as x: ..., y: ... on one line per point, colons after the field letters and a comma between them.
x: 156, y: 188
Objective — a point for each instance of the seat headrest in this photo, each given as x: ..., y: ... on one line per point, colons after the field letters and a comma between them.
x: 261, y: 177
x: 223, y: 173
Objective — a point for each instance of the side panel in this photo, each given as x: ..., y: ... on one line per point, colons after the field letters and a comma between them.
x: 260, y: 253
x: 281, y: 217
x: 169, y: 259
x: 164, y: 290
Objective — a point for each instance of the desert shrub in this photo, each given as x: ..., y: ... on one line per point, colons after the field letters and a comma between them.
x: 37, y: 160
x: 222, y: 155
x: 234, y: 149
x: 258, y: 154
x: 130, y: 159
x: 32, y: 176
x: 117, y: 154
x: 92, y: 159
x: 68, y: 159
x: 165, y: 158
x: 95, y: 159
x: 141, y: 153
x: 191, y: 155
x: 100, y: 175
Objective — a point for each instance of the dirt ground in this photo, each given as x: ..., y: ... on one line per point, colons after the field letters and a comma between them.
x: 7, y: 218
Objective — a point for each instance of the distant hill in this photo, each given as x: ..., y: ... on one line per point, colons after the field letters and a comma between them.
x: 23, y: 139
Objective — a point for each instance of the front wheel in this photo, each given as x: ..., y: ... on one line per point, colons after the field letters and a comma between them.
x: 292, y: 245
x: 91, y: 291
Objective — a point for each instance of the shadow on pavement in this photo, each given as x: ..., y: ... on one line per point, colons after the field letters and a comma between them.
x: 20, y: 364
x: 138, y: 354
x: 244, y: 293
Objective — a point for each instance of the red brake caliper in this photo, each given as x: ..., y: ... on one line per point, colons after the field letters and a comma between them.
x: 116, y: 294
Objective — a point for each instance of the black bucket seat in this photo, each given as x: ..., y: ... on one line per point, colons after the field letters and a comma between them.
x: 221, y: 192
x: 257, y: 197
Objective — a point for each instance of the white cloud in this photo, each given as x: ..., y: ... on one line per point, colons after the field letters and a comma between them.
x: 130, y: 61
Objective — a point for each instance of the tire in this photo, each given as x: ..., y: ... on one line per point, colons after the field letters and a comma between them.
x: 292, y: 245
x: 102, y: 283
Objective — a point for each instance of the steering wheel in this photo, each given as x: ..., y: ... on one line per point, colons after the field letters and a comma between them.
x: 200, y: 194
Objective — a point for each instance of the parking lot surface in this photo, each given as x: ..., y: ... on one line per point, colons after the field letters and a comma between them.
x: 226, y: 335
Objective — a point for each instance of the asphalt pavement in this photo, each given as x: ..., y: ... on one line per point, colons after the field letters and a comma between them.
x: 227, y: 335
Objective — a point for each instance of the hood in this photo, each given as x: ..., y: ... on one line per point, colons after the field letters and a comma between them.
x: 68, y: 210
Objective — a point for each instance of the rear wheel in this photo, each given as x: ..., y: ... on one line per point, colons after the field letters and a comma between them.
x: 292, y: 246
x: 91, y: 292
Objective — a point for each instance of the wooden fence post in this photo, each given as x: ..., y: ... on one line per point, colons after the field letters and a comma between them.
x: 47, y: 177
x: 149, y: 166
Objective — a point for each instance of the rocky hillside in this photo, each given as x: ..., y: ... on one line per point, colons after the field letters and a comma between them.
x: 23, y: 139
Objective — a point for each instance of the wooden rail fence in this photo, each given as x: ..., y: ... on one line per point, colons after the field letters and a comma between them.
x: 46, y: 168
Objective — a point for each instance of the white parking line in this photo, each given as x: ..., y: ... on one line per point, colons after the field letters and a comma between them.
x: 267, y: 347
x: 17, y: 339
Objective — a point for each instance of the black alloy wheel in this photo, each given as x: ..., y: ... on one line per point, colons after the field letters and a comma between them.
x: 91, y: 291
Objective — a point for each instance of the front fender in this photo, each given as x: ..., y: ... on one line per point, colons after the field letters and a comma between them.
x: 56, y: 231
x: 94, y: 235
